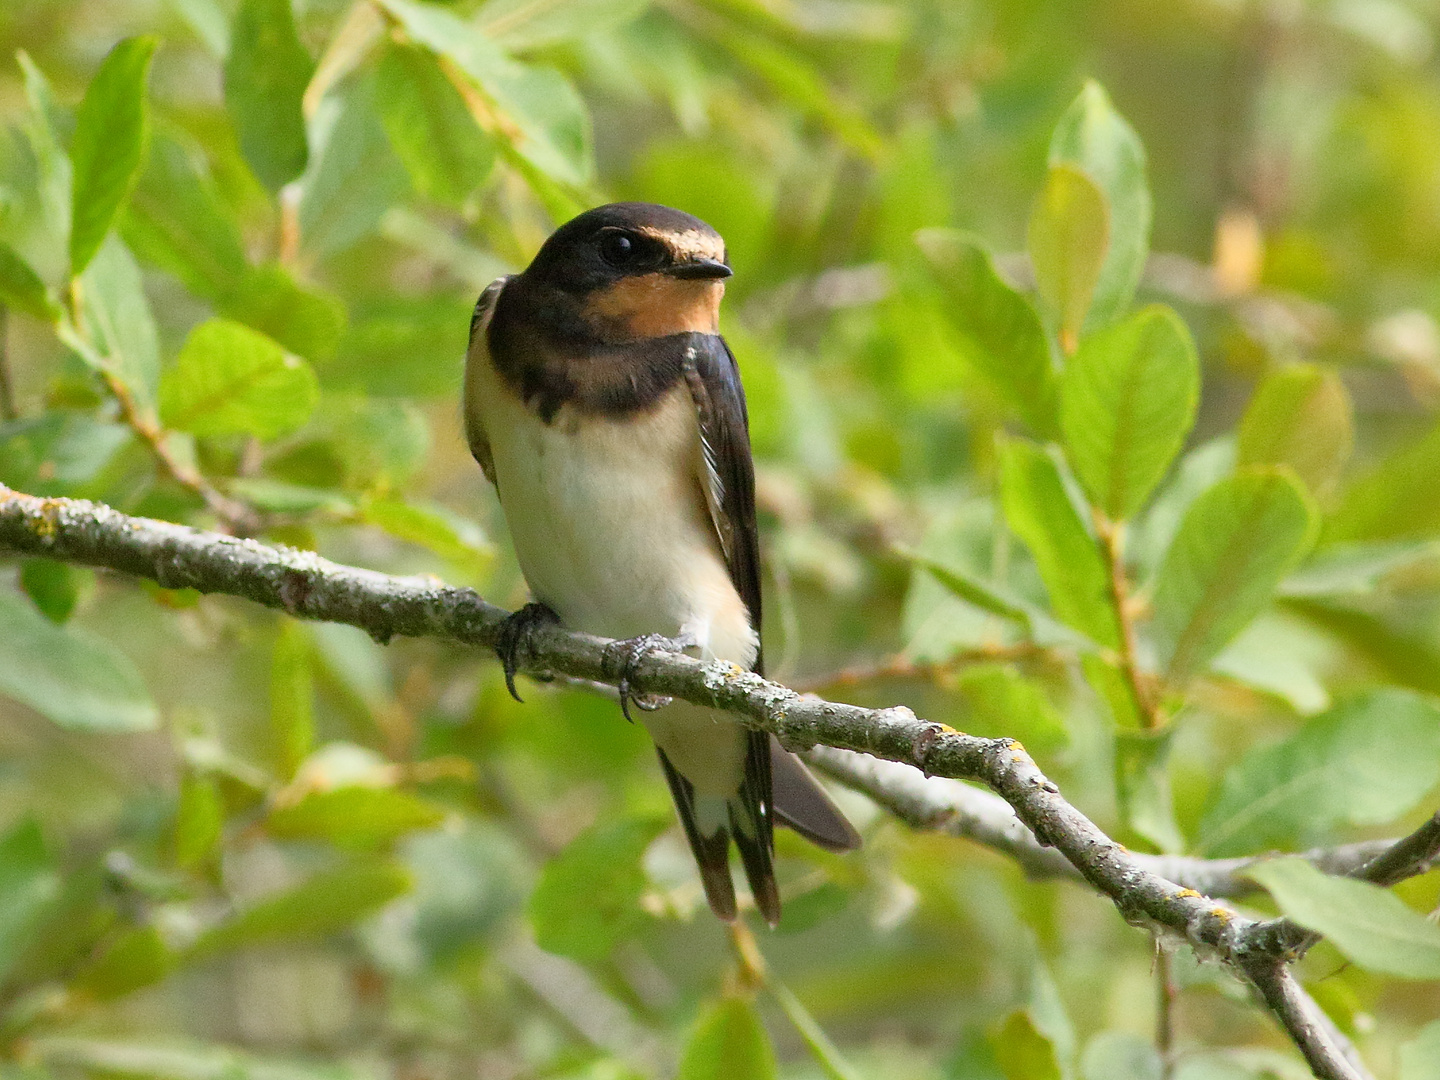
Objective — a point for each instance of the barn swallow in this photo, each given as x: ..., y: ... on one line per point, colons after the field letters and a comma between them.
x: 605, y: 407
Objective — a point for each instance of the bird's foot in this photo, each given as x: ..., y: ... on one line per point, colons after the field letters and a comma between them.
x: 622, y: 659
x: 514, y: 639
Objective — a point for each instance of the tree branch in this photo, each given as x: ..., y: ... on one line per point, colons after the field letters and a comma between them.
x: 955, y: 808
x: 307, y: 586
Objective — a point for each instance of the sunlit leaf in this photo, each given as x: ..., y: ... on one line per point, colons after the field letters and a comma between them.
x: 1001, y: 703
x: 1127, y: 400
x: 1022, y: 1052
x: 1365, y: 762
x: 453, y: 539
x: 588, y: 897
x: 1142, y: 786
x: 354, y: 816
x: 29, y: 883
x: 1068, y: 237
x: 997, y: 328
x: 266, y: 73
x: 538, y: 111
x: 1096, y: 139
x: 728, y: 1043
x: 322, y: 905
x: 109, y: 145
x: 76, y: 679
x: 1370, y: 925
x: 230, y: 380
x: 1040, y: 512
x: 1300, y: 416
x: 430, y: 127
x: 1237, y: 542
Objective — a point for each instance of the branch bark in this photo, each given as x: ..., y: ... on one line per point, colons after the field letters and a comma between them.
x: 307, y: 586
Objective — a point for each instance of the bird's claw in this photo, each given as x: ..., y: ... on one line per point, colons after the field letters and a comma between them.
x: 514, y: 639
x: 622, y: 658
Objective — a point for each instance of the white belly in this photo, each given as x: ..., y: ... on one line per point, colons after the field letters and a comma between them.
x: 610, y: 526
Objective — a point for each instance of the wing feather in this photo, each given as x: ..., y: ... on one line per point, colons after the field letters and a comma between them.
x: 479, y: 354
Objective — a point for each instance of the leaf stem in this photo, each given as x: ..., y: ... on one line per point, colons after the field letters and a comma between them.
x: 755, y: 973
x: 1111, y: 535
x: 8, y: 411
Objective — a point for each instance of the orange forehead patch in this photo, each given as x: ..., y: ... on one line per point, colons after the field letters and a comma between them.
x: 656, y: 305
x: 689, y: 243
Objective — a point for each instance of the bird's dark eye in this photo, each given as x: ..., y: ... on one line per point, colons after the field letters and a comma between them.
x: 618, y: 249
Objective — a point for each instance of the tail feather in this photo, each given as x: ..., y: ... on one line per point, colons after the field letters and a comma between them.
x: 712, y: 852
x: 804, y: 806
x: 753, y: 826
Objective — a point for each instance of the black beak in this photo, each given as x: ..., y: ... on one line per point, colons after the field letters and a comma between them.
x: 700, y: 270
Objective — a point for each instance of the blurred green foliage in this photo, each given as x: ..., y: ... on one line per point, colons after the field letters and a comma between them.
x: 1116, y: 406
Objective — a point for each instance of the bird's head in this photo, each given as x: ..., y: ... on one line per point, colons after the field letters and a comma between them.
x: 636, y: 270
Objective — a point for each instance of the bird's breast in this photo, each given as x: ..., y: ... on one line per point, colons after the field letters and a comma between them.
x: 609, y: 523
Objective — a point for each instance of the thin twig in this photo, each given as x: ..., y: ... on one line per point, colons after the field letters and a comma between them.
x: 308, y: 586
x: 1165, y: 994
x: 1303, y: 1022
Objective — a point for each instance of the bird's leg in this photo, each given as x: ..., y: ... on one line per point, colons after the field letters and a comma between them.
x: 622, y: 658
x: 514, y: 638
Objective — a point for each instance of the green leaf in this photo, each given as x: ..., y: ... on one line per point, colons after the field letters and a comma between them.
x: 539, y: 114
x: 1068, y: 235
x: 292, y: 721
x: 353, y: 176
x: 1352, y: 570
x: 326, y: 903
x: 266, y: 74
x: 404, y: 348
x: 1127, y: 400
x: 1142, y: 786
x: 1420, y: 1057
x: 177, y: 221
x: 1399, y: 498
x: 22, y: 289
x: 524, y: 24
x: 1022, y: 1052
x: 1120, y: 1055
x: 29, y: 884
x: 430, y: 127
x: 1300, y: 416
x: 199, y: 820
x: 728, y: 1043
x: 997, y: 329
x: 1235, y: 545
x: 139, y: 958
x: 1096, y: 139
x: 588, y: 897
x: 1040, y: 512
x: 109, y: 145
x: 1372, y: 926
x: 453, y: 539
x: 1365, y: 762
x: 353, y: 816
x: 303, y: 319
x: 79, y: 681
x: 117, y: 316
x: 230, y: 380
x: 1000, y: 702
x: 53, y: 586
